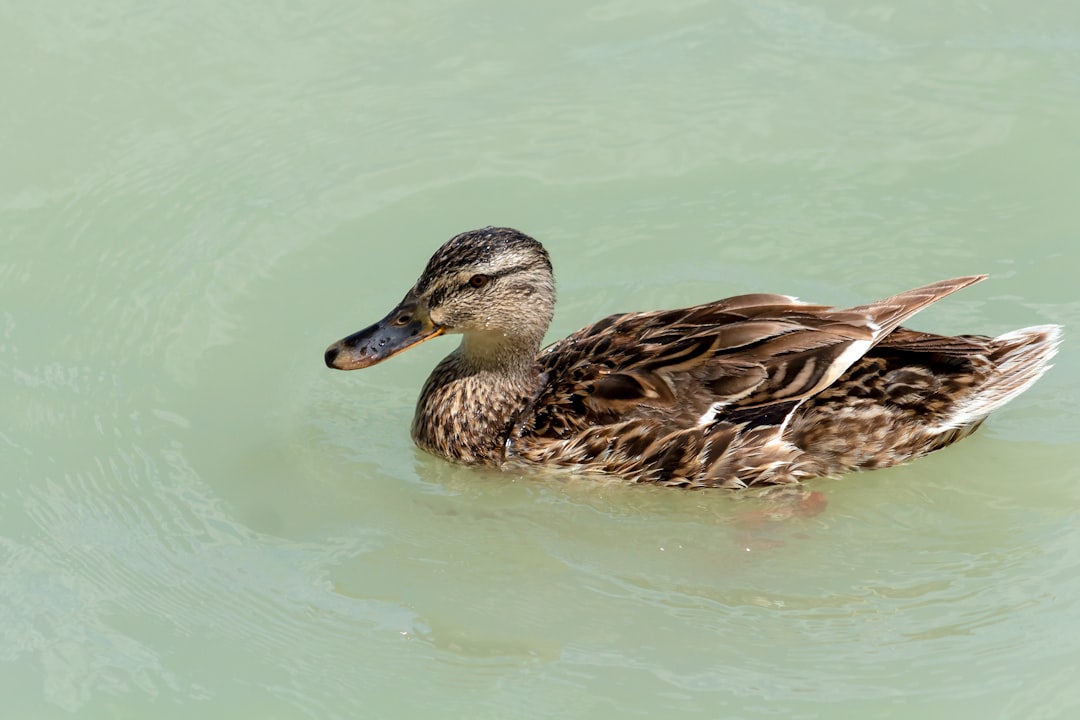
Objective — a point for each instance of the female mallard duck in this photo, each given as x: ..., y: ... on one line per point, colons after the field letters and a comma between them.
x: 752, y: 390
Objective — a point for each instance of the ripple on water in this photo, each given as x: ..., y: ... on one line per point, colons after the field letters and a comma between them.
x: 134, y: 545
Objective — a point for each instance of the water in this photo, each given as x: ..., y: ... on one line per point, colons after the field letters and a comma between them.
x: 198, y: 519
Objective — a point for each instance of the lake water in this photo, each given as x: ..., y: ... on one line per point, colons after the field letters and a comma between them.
x: 198, y: 519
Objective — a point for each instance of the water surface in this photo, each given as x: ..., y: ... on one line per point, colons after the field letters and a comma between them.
x: 198, y: 519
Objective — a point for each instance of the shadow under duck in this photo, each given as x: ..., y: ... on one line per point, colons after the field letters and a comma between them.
x: 752, y: 390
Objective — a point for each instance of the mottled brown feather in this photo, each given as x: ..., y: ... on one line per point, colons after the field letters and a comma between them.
x: 751, y: 390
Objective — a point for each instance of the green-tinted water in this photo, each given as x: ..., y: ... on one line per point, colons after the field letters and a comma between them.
x: 197, y: 519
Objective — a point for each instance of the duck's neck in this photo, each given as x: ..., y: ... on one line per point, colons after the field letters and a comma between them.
x: 472, y: 398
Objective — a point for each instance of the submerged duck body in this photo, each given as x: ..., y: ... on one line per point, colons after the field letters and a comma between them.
x: 751, y: 390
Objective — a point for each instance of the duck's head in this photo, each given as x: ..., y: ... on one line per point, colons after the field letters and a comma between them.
x: 493, y: 285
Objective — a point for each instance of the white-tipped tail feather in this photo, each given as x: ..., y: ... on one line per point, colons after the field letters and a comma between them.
x: 1020, y: 358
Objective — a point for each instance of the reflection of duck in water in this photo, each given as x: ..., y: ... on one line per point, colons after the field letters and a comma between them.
x: 751, y: 390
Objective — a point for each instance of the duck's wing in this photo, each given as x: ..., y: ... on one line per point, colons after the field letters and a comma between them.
x: 747, y: 359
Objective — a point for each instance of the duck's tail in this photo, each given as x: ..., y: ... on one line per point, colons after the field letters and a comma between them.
x: 1019, y: 358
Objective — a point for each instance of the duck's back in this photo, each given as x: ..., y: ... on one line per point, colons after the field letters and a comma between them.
x: 763, y: 389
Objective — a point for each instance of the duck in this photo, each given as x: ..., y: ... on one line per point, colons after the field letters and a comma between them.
x: 749, y: 391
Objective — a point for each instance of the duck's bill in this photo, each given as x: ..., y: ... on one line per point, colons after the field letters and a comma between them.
x: 395, y: 333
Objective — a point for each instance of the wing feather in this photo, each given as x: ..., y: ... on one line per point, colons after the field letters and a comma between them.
x: 747, y: 357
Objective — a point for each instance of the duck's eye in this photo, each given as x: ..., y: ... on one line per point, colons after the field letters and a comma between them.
x: 479, y: 281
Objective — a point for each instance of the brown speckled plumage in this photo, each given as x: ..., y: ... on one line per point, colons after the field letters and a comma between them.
x: 751, y: 390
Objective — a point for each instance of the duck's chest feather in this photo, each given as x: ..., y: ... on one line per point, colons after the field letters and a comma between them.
x: 466, y: 414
